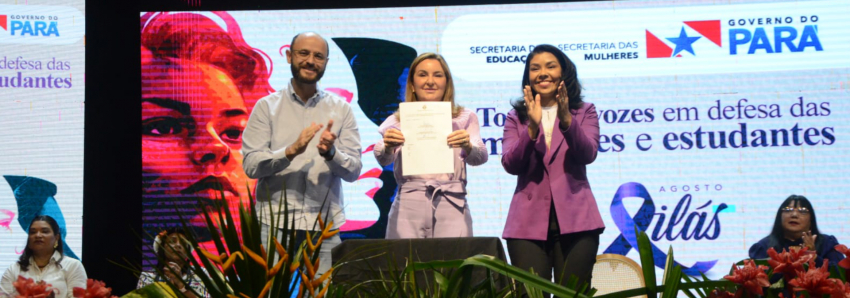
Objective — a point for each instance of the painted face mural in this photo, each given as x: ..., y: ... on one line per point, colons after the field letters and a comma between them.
x: 192, y: 122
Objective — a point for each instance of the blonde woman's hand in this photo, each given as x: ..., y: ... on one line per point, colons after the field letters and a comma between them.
x: 460, y: 139
x: 393, y: 138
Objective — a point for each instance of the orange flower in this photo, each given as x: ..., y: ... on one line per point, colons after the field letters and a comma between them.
x: 266, y: 288
x: 788, y: 262
x: 225, y: 261
x: 94, y: 289
x: 257, y: 258
x: 27, y: 288
x: 229, y: 262
x: 752, y: 278
x: 845, y: 263
x: 815, y: 281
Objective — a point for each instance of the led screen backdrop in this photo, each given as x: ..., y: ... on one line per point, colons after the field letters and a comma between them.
x: 711, y: 114
x: 42, y: 83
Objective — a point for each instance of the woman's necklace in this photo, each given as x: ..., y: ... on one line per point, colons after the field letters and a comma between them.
x: 548, y: 116
x: 36, y: 261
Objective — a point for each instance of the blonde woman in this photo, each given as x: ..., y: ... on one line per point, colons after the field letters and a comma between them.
x: 431, y: 206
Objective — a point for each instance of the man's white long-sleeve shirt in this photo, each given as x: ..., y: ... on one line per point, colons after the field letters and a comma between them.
x: 275, y: 123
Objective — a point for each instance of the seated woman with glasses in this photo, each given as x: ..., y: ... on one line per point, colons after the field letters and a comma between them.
x: 796, y: 227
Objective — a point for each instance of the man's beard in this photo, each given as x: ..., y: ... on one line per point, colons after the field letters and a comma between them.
x: 296, y: 74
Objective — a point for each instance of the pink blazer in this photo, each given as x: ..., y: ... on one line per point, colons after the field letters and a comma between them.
x: 558, y: 174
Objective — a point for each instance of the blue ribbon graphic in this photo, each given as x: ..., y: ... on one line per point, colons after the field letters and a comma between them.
x: 36, y: 197
x: 626, y: 224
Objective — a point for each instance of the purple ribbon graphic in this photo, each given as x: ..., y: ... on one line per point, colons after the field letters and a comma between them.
x: 626, y: 224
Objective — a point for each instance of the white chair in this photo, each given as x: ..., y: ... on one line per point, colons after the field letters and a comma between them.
x: 615, y: 273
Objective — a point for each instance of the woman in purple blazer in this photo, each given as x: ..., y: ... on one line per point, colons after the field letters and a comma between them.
x: 550, y: 136
x: 434, y: 205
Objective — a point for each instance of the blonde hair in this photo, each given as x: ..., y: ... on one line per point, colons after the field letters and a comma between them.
x: 449, y: 95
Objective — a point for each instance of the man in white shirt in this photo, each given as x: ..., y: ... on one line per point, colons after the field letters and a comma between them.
x: 303, y: 141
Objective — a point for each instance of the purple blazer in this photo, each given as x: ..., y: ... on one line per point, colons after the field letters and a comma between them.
x: 558, y: 174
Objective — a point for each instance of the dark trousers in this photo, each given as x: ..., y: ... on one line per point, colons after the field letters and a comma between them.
x: 568, y: 254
